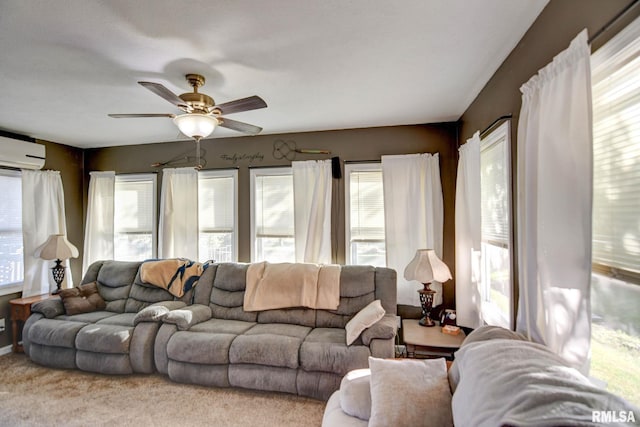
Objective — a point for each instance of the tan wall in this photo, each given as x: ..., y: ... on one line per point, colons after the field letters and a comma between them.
x: 349, y: 145
x: 551, y: 33
x: 69, y: 161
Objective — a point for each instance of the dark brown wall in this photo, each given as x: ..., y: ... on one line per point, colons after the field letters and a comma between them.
x: 550, y: 34
x: 349, y: 145
x: 69, y: 161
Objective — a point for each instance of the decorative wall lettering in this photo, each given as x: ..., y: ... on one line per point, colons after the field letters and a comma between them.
x: 238, y: 157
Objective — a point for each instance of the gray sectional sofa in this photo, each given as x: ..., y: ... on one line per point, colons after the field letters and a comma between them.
x: 207, y: 338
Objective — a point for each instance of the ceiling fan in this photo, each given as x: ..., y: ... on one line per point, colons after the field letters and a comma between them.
x: 201, y: 114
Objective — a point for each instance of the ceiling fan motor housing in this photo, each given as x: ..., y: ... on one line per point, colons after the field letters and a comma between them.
x: 199, y: 102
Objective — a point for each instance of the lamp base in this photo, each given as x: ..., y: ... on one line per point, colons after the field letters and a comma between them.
x: 58, y: 276
x: 426, y: 321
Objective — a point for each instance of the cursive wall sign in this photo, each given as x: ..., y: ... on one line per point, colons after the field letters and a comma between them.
x: 238, y: 157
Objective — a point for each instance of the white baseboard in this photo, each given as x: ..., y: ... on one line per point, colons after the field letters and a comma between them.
x: 5, y: 350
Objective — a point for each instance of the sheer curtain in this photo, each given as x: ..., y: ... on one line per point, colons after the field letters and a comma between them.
x: 554, y: 204
x: 178, y: 234
x: 468, y: 235
x: 312, y: 182
x: 413, y: 211
x: 42, y: 215
x: 98, y: 235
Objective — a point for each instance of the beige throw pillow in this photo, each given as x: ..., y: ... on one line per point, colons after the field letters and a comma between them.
x: 363, y: 319
x: 409, y: 393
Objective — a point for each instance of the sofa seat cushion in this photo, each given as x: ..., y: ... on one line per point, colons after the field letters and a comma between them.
x: 123, y: 319
x: 209, y: 348
x: 223, y: 326
x: 269, y: 344
x: 92, y: 317
x: 326, y: 350
x: 103, y: 338
x: 54, y: 332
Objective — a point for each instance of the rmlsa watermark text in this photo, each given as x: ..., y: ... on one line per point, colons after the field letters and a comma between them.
x: 613, y: 417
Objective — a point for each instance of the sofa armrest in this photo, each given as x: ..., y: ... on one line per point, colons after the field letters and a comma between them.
x: 185, y: 318
x: 385, y: 328
x: 49, y: 308
x: 157, y: 311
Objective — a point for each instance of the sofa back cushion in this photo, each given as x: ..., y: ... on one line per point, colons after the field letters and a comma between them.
x: 357, y: 290
x: 223, y: 286
x: 114, y: 279
x: 227, y: 293
x: 144, y: 294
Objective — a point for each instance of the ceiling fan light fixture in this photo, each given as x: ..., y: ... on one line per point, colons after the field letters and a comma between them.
x: 196, y: 125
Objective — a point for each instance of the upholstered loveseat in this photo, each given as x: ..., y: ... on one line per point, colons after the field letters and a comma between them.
x: 205, y: 337
x: 498, y: 378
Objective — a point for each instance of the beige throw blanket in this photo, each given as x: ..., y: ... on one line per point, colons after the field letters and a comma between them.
x: 286, y: 285
x: 177, y: 275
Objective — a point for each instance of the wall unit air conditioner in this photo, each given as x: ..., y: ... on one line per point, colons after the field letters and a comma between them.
x: 15, y: 153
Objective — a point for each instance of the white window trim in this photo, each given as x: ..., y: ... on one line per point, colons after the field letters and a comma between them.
x: 491, y: 313
x: 16, y: 287
x: 253, y: 173
x: 133, y: 177
x: 349, y: 168
x: 227, y: 173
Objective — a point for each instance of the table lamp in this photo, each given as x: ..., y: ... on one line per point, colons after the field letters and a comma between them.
x: 59, y: 248
x: 426, y: 267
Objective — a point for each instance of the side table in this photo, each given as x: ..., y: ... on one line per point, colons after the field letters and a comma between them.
x: 20, y: 312
x: 429, y: 341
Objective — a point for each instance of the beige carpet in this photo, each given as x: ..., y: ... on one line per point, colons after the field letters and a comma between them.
x: 32, y: 395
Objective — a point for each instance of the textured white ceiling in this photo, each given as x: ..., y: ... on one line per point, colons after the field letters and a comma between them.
x: 319, y: 65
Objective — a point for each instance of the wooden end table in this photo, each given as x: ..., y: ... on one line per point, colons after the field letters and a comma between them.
x: 429, y: 341
x: 20, y: 312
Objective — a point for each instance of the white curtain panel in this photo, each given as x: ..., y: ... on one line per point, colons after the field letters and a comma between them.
x: 554, y: 204
x: 98, y: 234
x: 413, y: 211
x: 42, y: 215
x: 312, y: 182
x: 468, y: 235
x: 178, y: 235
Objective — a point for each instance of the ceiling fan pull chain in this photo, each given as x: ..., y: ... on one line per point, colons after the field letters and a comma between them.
x: 198, y: 165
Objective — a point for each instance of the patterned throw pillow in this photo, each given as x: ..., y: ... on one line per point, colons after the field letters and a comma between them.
x: 83, y: 299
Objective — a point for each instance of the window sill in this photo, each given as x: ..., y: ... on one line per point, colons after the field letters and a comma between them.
x: 12, y: 288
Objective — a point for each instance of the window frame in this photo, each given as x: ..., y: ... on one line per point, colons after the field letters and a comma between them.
x: 138, y: 177
x: 491, y: 313
x: 13, y: 287
x: 253, y: 174
x: 224, y: 173
x: 349, y: 168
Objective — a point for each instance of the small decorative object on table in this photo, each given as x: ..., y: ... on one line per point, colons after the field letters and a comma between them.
x: 425, y: 268
x: 450, y: 329
x: 57, y: 247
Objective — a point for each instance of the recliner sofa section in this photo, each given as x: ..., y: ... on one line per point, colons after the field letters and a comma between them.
x: 207, y: 338
x: 214, y: 342
x: 115, y: 340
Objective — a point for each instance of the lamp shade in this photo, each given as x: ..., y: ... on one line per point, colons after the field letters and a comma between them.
x: 426, y: 267
x: 196, y: 125
x: 56, y: 247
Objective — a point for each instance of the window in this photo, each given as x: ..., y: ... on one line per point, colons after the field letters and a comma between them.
x: 364, y: 223
x: 495, y: 208
x: 272, y: 220
x: 11, y: 260
x: 615, y: 290
x: 134, y: 231
x: 217, y: 217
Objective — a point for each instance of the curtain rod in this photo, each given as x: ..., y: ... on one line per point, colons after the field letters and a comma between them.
x: 353, y: 162
x: 613, y: 20
x: 496, y: 121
